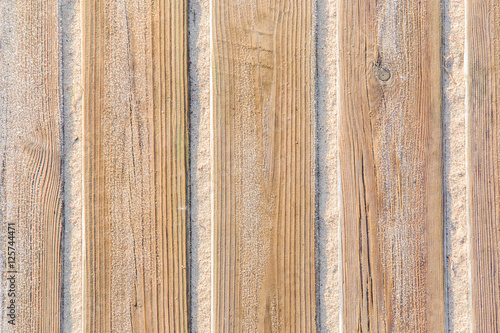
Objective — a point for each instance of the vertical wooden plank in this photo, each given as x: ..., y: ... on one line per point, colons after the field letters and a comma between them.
x: 390, y: 166
x: 135, y: 165
x: 30, y: 166
x: 483, y: 101
x: 263, y: 166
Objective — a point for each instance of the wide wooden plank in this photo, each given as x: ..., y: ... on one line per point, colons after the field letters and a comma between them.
x: 30, y: 166
x: 263, y: 166
x: 390, y: 166
x: 483, y: 158
x: 135, y: 165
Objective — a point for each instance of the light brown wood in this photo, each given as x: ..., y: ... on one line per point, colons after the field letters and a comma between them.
x: 30, y: 166
x: 483, y: 97
x: 135, y: 165
x: 263, y: 166
x: 391, y: 166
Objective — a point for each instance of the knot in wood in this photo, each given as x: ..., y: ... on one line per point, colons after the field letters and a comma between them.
x: 382, y: 73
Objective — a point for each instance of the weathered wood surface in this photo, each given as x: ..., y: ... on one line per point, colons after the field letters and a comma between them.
x: 483, y: 101
x: 135, y: 165
x: 30, y: 166
x: 263, y: 166
x: 390, y: 166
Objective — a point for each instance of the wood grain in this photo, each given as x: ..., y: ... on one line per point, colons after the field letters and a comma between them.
x: 263, y: 166
x: 135, y: 165
x: 483, y: 101
x: 390, y: 166
x: 30, y: 166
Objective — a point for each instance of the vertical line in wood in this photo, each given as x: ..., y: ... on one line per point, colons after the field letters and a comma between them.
x: 263, y: 166
x: 483, y: 161
x: 30, y: 166
x: 391, y: 166
x: 135, y: 165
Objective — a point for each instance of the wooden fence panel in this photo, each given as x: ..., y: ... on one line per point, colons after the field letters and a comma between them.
x: 263, y: 166
x: 30, y: 166
x: 483, y: 101
x: 391, y: 166
x: 135, y: 165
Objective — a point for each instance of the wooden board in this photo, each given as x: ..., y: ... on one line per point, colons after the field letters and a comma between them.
x: 390, y: 166
x: 30, y: 166
x: 483, y: 101
x: 263, y: 166
x: 135, y: 165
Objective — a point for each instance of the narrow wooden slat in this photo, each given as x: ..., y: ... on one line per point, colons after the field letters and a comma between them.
x: 30, y: 166
x: 390, y: 166
x: 263, y: 166
x: 483, y: 101
x: 135, y: 165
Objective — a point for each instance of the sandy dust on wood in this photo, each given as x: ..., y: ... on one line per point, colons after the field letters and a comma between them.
x: 454, y: 154
x: 328, y: 273
x: 200, y: 182
x: 72, y: 167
